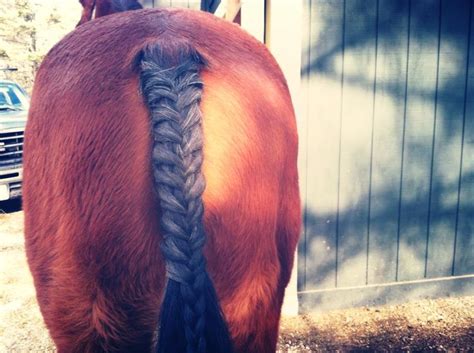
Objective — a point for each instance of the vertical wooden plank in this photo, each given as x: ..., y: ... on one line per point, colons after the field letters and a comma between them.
x: 302, y: 127
x: 252, y: 18
x: 185, y: 3
x: 388, y: 129
x: 356, y: 136
x: 286, y: 46
x: 448, y: 137
x: 194, y: 4
x: 416, y: 168
x: 464, y: 255
x: 323, y: 74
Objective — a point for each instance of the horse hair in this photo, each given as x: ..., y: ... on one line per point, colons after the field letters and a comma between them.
x: 191, y: 319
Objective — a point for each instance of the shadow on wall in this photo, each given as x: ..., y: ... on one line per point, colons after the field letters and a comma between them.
x: 389, y: 139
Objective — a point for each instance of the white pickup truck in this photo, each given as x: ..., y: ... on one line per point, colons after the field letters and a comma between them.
x: 14, y: 103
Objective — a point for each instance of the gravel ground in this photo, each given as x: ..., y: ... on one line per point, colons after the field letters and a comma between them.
x: 442, y: 325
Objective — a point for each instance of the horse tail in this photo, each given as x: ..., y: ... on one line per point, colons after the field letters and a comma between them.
x: 191, y: 319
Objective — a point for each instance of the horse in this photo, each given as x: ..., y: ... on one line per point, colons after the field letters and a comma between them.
x: 161, y: 198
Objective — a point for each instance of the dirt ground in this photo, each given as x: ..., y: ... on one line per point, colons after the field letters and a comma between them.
x: 442, y: 325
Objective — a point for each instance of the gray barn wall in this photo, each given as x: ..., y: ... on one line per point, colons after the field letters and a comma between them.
x: 389, y: 171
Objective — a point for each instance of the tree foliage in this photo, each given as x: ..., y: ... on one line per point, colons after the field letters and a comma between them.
x: 28, y: 29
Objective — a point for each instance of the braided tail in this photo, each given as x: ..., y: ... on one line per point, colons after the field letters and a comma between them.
x: 191, y: 319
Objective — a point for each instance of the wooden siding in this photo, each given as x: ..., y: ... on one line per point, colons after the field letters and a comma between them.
x: 388, y: 143
x: 192, y: 4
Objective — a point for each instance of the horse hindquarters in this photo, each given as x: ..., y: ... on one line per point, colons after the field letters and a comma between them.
x: 92, y: 221
x: 91, y: 230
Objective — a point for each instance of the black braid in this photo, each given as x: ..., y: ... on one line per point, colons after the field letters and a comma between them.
x: 172, y: 87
